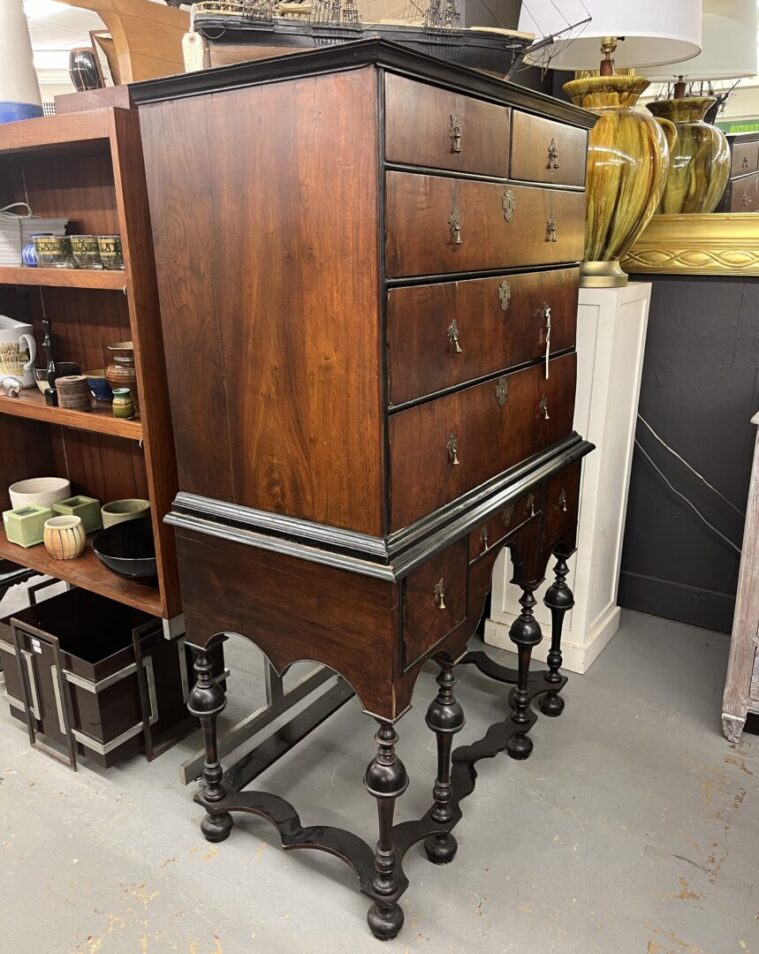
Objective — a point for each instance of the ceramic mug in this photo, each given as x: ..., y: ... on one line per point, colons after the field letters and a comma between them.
x: 64, y: 537
x: 18, y: 349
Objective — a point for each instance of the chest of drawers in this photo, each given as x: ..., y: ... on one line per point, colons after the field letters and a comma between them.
x: 742, y: 192
x: 368, y: 270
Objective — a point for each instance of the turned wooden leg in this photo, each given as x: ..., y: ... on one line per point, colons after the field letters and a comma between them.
x: 386, y: 780
x: 525, y: 632
x: 207, y: 700
x: 445, y: 717
x: 558, y: 599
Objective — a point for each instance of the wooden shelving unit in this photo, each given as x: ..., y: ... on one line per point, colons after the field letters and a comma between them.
x: 88, y: 167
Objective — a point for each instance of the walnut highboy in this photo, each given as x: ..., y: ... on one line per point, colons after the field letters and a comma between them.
x: 367, y: 265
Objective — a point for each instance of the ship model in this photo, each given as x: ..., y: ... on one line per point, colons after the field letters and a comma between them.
x: 474, y: 34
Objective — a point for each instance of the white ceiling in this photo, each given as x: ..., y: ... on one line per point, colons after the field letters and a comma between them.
x: 55, y: 29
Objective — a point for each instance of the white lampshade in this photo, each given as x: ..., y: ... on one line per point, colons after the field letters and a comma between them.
x: 656, y: 32
x: 729, y: 44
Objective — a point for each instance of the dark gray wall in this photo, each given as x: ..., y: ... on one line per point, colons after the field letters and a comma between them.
x: 700, y: 389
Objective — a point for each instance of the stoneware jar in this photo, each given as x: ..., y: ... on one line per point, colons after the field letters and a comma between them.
x: 123, y: 405
x: 628, y: 160
x: 64, y: 537
x: 700, y: 161
x: 121, y: 372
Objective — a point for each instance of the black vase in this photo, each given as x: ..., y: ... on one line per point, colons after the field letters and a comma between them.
x: 83, y: 69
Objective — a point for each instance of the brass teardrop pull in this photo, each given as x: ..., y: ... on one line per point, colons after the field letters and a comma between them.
x: 531, y: 505
x: 563, y: 501
x: 453, y: 337
x: 455, y: 133
x: 553, y: 155
x: 551, y: 229
x: 484, y: 537
x: 508, y: 205
x: 438, y: 592
x: 453, y: 450
x: 543, y: 407
x: 454, y: 224
x: 504, y: 295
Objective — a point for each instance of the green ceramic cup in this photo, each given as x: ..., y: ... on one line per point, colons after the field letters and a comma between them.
x: 119, y: 511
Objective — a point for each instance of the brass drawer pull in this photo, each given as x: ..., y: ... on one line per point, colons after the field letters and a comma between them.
x: 454, y: 224
x: 508, y: 204
x: 546, y: 316
x: 438, y: 591
x: 551, y: 229
x: 553, y: 155
x: 455, y: 133
x: 501, y: 391
x: 453, y: 337
x: 543, y: 407
x: 563, y: 501
x: 531, y: 505
x: 484, y: 537
x: 744, y: 164
x: 504, y: 295
x: 453, y: 450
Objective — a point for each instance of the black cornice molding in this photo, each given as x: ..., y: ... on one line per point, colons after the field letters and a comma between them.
x: 350, y: 56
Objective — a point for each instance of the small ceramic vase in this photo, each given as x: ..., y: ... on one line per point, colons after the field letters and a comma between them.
x: 121, y: 372
x: 700, y: 162
x: 123, y: 405
x: 29, y: 255
x: 83, y: 69
x: 64, y: 537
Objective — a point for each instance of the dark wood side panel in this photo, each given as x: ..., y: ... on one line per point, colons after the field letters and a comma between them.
x: 289, y: 425
x: 293, y: 609
x: 501, y: 225
x: 421, y: 120
x: 489, y: 437
x: 498, y: 323
x: 546, y: 151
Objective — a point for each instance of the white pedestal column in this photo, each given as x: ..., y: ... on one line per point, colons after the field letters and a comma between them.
x: 611, y: 335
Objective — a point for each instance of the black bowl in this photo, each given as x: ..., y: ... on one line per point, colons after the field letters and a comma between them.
x: 128, y: 549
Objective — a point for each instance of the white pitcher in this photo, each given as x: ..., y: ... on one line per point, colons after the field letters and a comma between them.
x: 18, y: 349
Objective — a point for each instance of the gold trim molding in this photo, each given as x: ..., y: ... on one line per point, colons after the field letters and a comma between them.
x: 714, y: 244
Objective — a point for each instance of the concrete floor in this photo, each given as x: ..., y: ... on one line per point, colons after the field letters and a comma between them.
x: 633, y: 829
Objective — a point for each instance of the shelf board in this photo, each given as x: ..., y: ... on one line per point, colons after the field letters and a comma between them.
x: 69, y: 132
x: 112, y: 280
x: 87, y: 572
x: 100, y: 420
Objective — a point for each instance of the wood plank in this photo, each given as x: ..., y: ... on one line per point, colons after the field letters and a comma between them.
x: 69, y: 128
x: 31, y: 404
x: 87, y: 572
x: 63, y: 277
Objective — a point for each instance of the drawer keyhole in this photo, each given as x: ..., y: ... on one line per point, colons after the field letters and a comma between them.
x: 453, y: 337
x: 455, y: 133
x: 454, y: 224
x: 553, y: 155
x: 508, y: 514
x: 543, y: 406
x: 453, y: 450
x: 438, y: 591
x: 563, y: 501
x: 508, y: 204
x: 501, y: 391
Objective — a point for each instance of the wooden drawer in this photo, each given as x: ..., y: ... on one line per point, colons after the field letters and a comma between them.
x: 745, y: 194
x: 434, y: 601
x: 443, y: 448
x: 427, y: 126
x: 562, y: 497
x: 745, y: 158
x: 546, y: 151
x: 437, y: 225
x: 444, y: 334
x: 502, y: 524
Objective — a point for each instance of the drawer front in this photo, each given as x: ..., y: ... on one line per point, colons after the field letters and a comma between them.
x: 434, y: 601
x: 546, y: 151
x: 437, y: 225
x: 505, y: 522
x: 560, y: 504
x: 427, y: 126
x: 745, y: 194
x: 445, y: 334
x: 745, y: 158
x: 443, y: 448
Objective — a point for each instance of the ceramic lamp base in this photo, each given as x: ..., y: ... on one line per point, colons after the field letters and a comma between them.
x: 602, y: 275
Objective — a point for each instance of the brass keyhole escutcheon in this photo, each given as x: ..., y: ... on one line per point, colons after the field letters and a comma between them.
x: 553, y: 155
x: 453, y: 337
x: 563, y: 501
x: 508, y: 205
x: 454, y: 224
x: 508, y: 515
x: 504, y: 295
x: 551, y: 229
x: 543, y: 406
x: 438, y: 591
x: 453, y: 450
x: 501, y: 391
x: 455, y: 133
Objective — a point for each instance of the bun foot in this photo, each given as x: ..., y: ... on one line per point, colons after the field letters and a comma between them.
x: 441, y: 848
x: 216, y: 828
x: 551, y: 705
x: 519, y: 746
x: 385, y: 920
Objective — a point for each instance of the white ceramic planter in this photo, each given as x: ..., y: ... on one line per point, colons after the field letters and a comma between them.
x: 19, y: 89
